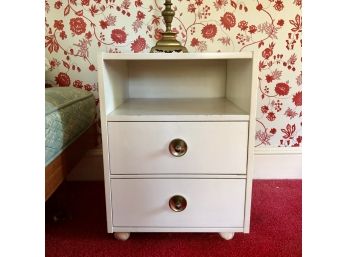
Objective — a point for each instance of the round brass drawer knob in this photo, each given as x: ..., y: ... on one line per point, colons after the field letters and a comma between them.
x: 177, y: 147
x: 177, y: 203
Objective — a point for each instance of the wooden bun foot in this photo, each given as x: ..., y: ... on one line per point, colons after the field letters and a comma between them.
x: 227, y: 235
x: 123, y: 236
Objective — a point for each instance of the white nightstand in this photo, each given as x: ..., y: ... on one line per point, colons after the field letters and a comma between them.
x: 178, y: 139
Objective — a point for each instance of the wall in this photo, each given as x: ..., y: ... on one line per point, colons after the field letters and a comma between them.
x: 76, y: 30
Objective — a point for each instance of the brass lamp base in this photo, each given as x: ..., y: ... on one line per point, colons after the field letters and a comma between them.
x: 168, y: 44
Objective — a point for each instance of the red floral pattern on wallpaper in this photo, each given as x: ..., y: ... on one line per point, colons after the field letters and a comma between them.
x: 76, y: 30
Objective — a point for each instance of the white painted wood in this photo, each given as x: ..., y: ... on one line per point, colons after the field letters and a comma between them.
x: 115, y: 84
x: 178, y: 109
x: 103, y: 83
x: 123, y: 77
x: 143, y: 147
x: 176, y: 229
x: 176, y: 176
x: 177, y: 56
x: 278, y: 163
x: 239, y: 83
x: 227, y: 235
x: 210, y: 202
x: 251, y: 141
x: 177, y: 79
x: 277, y: 150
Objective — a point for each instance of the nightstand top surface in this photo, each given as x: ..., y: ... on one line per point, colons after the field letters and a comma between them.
x: 177, y: 56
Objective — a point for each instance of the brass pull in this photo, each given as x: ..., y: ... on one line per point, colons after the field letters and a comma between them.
x: 177, y: 203
x: 177, y: 147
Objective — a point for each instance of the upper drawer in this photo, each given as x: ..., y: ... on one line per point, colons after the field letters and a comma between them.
x: 144, y: 147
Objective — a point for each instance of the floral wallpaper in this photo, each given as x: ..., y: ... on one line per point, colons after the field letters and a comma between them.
x: 76, y: 30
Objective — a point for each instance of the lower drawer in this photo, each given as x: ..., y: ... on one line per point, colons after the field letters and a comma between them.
x: 210, y: 203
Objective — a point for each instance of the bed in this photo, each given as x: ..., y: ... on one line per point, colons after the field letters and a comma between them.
x: 70, y: 131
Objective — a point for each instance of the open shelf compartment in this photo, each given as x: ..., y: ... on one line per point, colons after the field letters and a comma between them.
x: 143, y: 87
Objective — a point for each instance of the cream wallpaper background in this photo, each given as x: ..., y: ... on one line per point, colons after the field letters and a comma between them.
x: 76, y: 30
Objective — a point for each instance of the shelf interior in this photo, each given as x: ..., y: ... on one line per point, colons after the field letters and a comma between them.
x: 175, y: 108
x: 168, y: 90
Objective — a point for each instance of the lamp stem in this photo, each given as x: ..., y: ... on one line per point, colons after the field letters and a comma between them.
x: 168, y: 14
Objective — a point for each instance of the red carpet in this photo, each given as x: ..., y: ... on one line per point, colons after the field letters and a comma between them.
x: 276, y: 228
